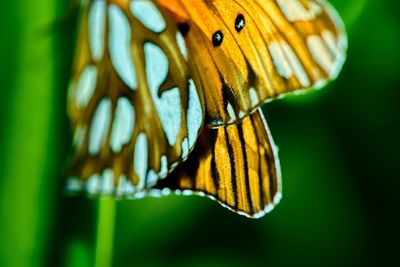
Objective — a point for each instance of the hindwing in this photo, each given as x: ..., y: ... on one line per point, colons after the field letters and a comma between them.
x: 236, y: 165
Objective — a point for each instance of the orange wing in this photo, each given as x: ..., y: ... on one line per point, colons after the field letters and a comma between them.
x: 236, y: 165
x: 133, y: 102
x: 249, y: 51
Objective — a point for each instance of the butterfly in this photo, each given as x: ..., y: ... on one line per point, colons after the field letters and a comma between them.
x: 165, y: 95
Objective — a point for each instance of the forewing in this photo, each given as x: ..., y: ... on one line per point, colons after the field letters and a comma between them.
x: 250, y: 51
x: 133, y: 103
x: 236, y: 165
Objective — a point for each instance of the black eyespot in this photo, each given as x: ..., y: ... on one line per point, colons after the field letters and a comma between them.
x: 217, y: 38
x: 239, y: 23
x: 184, y: 28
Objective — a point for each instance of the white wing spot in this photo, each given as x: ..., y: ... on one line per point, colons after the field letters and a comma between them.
x: 320, y: 53
x: 187, y: 192
x: 330, y: 41
x: 97, y: 23
x: 86, y: 86
x: 120, y: 46
x: 280, y: 62
x: 147, y: 13
x: 231, y: 112
x: 182, y: 45
x: 164, y: 166
x: 124, y: 187
x: 254, y: 97
x: 141, y: 159
x: 73, y: 184
x: 296, y: 11
x: 152, y: 178
x: 166, y: 191
x: 154, y: 193
x: 338, y: 49
x: 298, y: 69
x: 185, y: 148
x: 194, y: 114
x: 173, y: 165
x: 140, y: 195
x: 287, y: 63
x: 124, y: 123
x: 168, y: 106
x: 93, y: 184
x: 99, y: 127
x: 107, y: 186
x: 277, y: 198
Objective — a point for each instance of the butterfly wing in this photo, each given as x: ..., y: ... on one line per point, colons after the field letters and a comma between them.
x: 133, y: 103
x: 236, y: 165
x: 249, y: 51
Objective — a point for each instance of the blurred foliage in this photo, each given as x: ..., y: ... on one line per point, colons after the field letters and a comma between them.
x: 338, y: 149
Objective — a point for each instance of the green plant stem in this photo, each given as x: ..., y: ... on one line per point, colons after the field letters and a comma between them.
x: 105, y: 232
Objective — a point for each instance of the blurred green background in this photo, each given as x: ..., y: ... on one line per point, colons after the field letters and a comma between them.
x: 339, y: 152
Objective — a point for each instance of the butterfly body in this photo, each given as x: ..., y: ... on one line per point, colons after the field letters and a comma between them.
x: 153, y: 78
